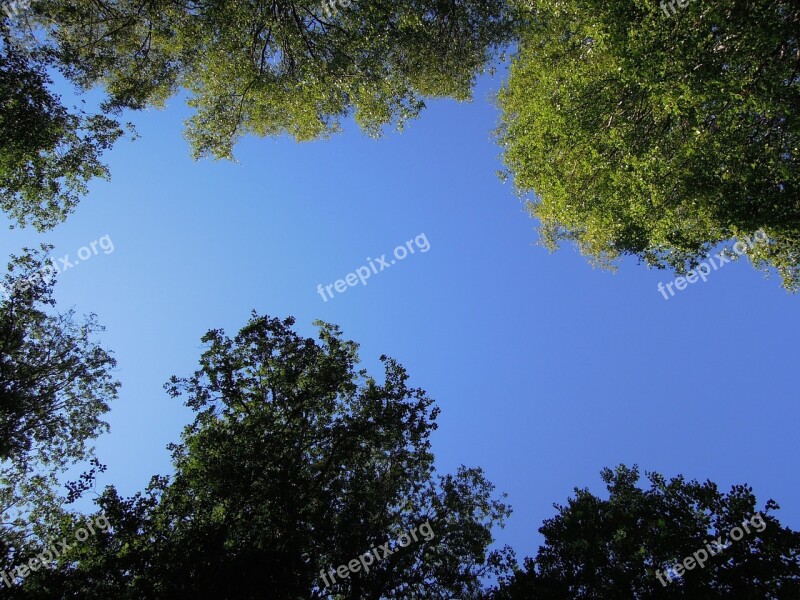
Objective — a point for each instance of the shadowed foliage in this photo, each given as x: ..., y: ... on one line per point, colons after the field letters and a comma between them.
x: 610, y: 549
x: 296, y: 463
x: 55, y: 386
x: 47, y: 154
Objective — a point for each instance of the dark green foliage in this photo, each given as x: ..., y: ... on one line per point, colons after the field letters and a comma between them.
x: 610, y: 549
x: 296, y: 462
x: 47, y: 154
x: 55, y: 387
x: 55, y: 381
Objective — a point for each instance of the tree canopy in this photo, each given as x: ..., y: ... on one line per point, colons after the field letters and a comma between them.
x: 270, y: 68
x: 55, y: 386
x: 296, y: 462
x: 267, y: 68
x: 55, y: 379
x: 658, y: 136
x: 622, y: 546
x: 640, y: 132
x: 47, y: 153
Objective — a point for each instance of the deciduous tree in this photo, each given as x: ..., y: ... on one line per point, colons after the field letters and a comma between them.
x: 608, y: 549
x: 56, y: 384
x: 659, y: 136
x: 47, y: 153
x: 270, y: 67
x: 296, y: 462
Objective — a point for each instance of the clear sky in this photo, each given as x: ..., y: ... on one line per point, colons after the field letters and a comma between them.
x: 546, y: 370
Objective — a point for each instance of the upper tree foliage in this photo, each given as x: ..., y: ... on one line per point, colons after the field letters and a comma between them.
x: 267, y: 68
x: 659, y: 136
x: 276, y: 66
x: 296, y: 462
x: 610, y: 549
x: 47, y: 153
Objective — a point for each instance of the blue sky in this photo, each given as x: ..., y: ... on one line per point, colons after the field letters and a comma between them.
x: 546, y: 370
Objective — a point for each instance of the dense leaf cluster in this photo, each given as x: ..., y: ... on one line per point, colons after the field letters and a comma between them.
x: 47, y: 154
x: 612, y: 548
x: 659, y: 137
x: 296, y: 463
x: 275, y: 67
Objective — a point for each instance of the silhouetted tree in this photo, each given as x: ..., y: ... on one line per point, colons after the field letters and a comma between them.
x: 296, y: 463
x: 55, y: 386
x: 624, y: 547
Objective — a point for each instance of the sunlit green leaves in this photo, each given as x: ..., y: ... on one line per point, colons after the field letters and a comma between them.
x: 280, y: 67
x: 658, y: 137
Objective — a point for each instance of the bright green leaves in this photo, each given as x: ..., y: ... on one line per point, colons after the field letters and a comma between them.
x: 657, y: 137
x: 273, y: 68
